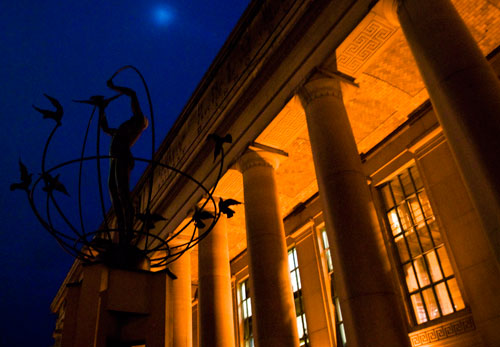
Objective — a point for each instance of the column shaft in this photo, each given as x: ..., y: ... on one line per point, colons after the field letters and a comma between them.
x: 272, y: 298
x: 368, y: 300
x: 215, y: 304
x: 180, y: 302
x: 465, y: 93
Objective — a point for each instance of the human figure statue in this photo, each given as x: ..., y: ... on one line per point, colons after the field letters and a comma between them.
x: 122, y: 162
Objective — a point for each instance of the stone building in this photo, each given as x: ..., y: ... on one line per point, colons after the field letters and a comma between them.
x: 366, y: 149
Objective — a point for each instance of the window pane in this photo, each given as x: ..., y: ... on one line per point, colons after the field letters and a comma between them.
x: 418, y: 308
x: 421, y: 269
x: 300, y: 328
x: 416, y: 177
x: 444, y: 299
x: 411, y: 238
x: 430, y: 302
x: 294, y: 281
x: 329, y: 260
x: 436, y: 234
x: 337, y: 309
x: 387, y: 196
x: 326, y: 247
x: 397, y: 191
x: 291, y: 264
x: 402, y: 249
x: 411, y: 280
x: 416, y: 212
x: 324, y: 236
x: 394, y: 221
x: 445, y: 262
x: 243, y: 292
x: 455, y: 294
x: 404, y: 216
x: 245, y: 312
x: 342, y: 334
x: 407, y: 184
x: 434, y: 266
x: 426, y: 206
x: 425, y: 237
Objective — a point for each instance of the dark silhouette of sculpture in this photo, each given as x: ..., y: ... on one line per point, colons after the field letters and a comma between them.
x: 26, y: 179
x: 121, y: 246
x: 48, y: 114
x: 122, y: 162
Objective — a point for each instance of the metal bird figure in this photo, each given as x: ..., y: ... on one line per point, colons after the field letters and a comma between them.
x: 25, y: 179
x: 98, y: 100
x: 53, y: 183
x: 224, y: 206
x: 55, y: 115
x: 199, y: 216
x: 219, y: 141
x: 150, y: 219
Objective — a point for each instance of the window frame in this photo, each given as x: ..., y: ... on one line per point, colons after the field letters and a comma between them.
x: 326, y: 255
x: 423, y: 255
x: 241, y: 319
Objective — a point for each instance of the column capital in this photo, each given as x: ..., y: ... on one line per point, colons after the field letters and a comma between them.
x: 258, y: 157
x: 318, y: 87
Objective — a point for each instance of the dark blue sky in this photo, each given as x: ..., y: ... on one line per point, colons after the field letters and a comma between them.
x: 68, y: 49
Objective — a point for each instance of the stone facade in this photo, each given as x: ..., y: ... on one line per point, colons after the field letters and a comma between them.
x: 365, y: 154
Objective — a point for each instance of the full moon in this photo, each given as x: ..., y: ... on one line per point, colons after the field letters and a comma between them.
x: 163, y: 15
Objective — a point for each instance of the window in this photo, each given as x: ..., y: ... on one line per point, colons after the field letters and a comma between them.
x: 245, y: 305
x: 430, y: 283
x: 339, y: 322
x: 293, y: 266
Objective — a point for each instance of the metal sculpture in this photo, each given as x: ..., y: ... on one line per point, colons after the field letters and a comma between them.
x: 131, y: 242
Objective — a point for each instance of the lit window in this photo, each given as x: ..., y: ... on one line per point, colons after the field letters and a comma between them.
x: 339, y: 322
x: 431, y: 285
x: 293, y: 265
x: 245, y: 305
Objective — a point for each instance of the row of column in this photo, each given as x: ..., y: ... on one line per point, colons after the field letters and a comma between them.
x: 465, y: 93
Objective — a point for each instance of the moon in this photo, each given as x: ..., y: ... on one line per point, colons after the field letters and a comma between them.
x: 163, y: 15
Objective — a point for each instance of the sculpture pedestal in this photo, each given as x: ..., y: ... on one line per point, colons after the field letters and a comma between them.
x: 116, y: 307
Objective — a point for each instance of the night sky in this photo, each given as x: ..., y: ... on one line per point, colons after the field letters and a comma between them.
x: 68, y: 49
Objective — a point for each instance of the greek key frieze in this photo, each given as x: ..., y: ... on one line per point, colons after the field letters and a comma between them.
x: 363, y: 46
x: 442, y: 332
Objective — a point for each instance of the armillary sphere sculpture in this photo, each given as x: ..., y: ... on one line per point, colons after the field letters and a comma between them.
x: 130, y: 242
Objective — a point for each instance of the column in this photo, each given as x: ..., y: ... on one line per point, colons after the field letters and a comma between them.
x: 179, y: 298
x: 369, y: 303
x: 272, y: 298
x: 215, y: 303
x: 465, y: 93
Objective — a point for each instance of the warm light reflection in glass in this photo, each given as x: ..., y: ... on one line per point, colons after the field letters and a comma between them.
x: 339, y: 322
x: 245, y: 304
x: 293, y: 266
x: 428, y: 273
